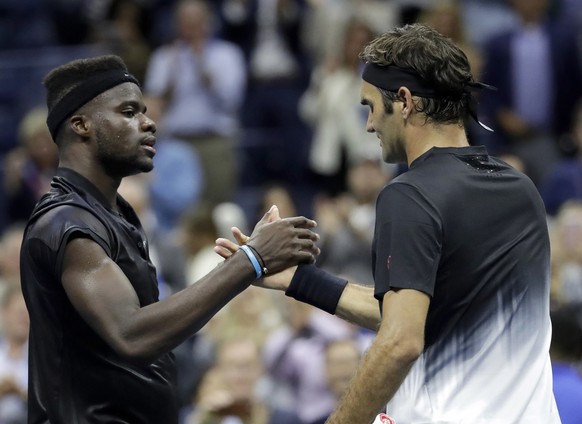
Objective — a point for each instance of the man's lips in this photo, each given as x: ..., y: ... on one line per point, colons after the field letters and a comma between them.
x: 148, y: 144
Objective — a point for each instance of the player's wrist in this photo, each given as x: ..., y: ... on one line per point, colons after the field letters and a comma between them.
x: 255, y: 260
x: 316, y: 287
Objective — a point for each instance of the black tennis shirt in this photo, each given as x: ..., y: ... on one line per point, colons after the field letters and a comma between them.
x: 466, y: 229
x: 75, y: 377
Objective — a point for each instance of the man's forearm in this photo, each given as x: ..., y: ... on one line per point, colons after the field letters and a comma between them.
x: 358, y: 305
x: 398, y: 344
x: 381, y: 373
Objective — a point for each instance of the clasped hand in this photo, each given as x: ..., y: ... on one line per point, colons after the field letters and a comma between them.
x: 282, y: 244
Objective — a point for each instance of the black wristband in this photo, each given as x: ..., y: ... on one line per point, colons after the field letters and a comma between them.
x: 316, y: 287
x: 260, y: 258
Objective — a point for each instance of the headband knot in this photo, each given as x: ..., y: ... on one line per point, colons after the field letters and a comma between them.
x: 83, y: 93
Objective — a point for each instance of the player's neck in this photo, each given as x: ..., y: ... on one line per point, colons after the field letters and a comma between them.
x: 106, y: 184
x: 422, y: 138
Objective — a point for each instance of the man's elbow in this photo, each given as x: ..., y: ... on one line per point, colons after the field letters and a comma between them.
x: 134, y: 351
x: 405, y: 350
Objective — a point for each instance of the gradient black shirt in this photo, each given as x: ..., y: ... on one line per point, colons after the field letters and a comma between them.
x: 470, y: 231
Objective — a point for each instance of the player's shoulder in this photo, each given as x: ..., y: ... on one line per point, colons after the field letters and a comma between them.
x: 59, y: 213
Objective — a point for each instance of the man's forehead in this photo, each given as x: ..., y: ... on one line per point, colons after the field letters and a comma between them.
x: 127, y: 91
x: 368, y: 92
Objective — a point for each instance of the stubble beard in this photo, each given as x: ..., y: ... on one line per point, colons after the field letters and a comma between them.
x: 120, y: 166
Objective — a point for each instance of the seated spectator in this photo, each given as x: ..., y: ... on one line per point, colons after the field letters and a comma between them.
x: 230, y: 391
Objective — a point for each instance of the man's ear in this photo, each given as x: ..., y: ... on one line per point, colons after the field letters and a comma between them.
x: 407, y: 103
x: 80, y: 125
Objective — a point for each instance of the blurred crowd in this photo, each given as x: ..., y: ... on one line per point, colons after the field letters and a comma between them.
x: 257, y: 103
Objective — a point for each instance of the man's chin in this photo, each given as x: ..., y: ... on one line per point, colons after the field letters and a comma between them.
x: 146, y: 166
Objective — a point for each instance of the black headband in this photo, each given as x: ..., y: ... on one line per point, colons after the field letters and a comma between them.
x: 83, y: 93
x: 392, y: 77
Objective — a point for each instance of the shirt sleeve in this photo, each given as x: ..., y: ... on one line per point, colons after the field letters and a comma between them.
x: 56, y: 228
x: 407, y: 241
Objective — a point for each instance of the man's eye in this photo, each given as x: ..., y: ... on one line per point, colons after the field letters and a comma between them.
x: 129, y: 112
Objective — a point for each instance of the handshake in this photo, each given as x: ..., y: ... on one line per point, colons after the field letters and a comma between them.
x: 275, y: 245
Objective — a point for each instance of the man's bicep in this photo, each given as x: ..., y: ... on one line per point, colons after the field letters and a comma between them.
x: 404, y: 315
x: 97, y: 288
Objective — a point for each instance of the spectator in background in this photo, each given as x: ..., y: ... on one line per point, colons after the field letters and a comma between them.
x: 195, y: 87
x: 10, y: 242
x: 276, y: 194
x: 531, y: 109
x: 446, y: 17
x: 275, y: 140
x: 13, y: 357
x: 346, y: 222
x: 124, y: 30
x: 567, y: 253
x: 326, y: 21
x: 564, y: 182
x: 176, y: 183
x: 254, y: 314
x: 229, y: 392
x: 29, y: 167
x: 342, y: 358
x: 198, y: 233
x: 331, y: 105
x: 566, y: 354
x: 297, y: 382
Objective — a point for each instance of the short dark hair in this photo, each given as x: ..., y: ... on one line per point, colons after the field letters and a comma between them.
x: 436, y: 59
x: 64, y: 78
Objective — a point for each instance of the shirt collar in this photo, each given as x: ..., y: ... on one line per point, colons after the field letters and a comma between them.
x: 84, y: 184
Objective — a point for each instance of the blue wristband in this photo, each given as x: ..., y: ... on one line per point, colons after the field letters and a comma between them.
x: 253, y: 260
